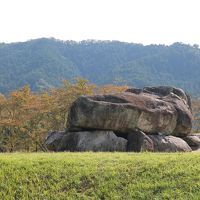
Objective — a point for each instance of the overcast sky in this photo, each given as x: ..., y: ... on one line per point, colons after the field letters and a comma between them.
x: 138, y: 21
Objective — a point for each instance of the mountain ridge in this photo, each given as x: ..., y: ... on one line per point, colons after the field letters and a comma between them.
x: 43, y: 63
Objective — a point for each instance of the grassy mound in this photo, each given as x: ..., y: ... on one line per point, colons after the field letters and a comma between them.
x: 100, y: 176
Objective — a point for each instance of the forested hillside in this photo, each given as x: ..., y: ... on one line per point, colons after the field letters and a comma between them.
x: 44, y: 63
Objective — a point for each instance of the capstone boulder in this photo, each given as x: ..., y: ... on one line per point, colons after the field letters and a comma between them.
x: 163, y: 109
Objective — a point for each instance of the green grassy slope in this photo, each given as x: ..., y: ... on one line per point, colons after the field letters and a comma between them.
x: 100, y: 176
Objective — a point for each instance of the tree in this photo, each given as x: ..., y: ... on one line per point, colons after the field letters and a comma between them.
x: 27, y: 117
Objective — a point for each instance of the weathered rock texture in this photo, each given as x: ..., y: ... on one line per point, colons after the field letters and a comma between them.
x: 139, y: 141
x: 193, y: 141
x: 170, y: 143
x: 53, y: 140
x: 151, y: 110
x: 86, y: 141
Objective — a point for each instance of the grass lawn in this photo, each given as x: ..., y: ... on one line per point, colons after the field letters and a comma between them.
x: 99, y: 176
